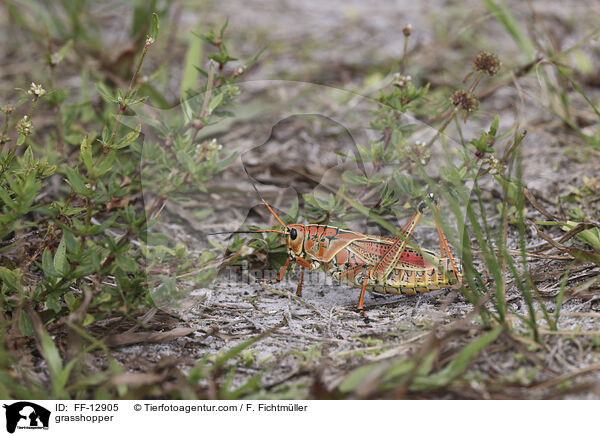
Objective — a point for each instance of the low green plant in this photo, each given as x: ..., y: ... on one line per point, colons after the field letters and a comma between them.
x: 78, y: 244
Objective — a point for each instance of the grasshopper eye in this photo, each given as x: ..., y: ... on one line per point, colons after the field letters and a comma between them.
x: 293, y: 234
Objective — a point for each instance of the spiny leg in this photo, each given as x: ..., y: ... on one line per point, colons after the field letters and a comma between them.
x: 348, y: 275
x: 444, y: 248
x: 382, y: 269
x: 361, y: 300
x: 297, y: 260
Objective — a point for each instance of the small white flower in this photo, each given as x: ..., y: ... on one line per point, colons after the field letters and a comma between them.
x: 55, y: 58
x: 240, y: 70
x: 36, y: 90
x: 400, y: 81
x: 495, y: 165
x: 149, y: 40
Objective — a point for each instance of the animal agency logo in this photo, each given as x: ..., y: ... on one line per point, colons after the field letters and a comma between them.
x: 26, y: 415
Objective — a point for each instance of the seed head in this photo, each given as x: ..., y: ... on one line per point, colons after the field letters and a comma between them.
x: 25, y: 126
x: 487, y: 63
x: 465, y: 100
x: 8, y: 109
x: 406, y: 30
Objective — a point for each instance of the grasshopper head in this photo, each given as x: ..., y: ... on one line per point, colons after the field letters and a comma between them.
x: 295, y: 238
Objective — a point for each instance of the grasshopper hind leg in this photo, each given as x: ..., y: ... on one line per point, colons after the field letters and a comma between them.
x: 361, y: 301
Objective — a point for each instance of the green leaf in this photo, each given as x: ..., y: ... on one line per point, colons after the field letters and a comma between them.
x: 106, y: 164
x: 77, y: 182
x: 89, y: 318
x: 25, y: 325
x: 223, y: 28
x: 591, y: 236
x: 58, y: 375
x: 28, y: 157
x: 215, y: 102
x: 65, y: 49
x: 494, y: 126
x: 11, y: 278
x: 60, y: 258
x: 50, y: 353
x: 85, y: 153
x: 128, y: 139
x: 48, y: 264
x: 104, y: 92
x: 70, y: 299
x: 52, y: 303
x: 127, y: 264
x: 154, y: 31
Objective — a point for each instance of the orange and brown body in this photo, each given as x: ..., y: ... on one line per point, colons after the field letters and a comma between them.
x: 381, y: 264
x: 350, y: 257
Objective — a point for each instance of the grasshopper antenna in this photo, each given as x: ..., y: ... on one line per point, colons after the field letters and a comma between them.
x: 262, y: 199
x: 246, y: 231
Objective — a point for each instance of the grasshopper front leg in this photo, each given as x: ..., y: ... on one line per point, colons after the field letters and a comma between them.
x: 298, y: 261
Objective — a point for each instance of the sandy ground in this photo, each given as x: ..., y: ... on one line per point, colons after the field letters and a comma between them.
x: 300, y: 127
x: 284, y: 129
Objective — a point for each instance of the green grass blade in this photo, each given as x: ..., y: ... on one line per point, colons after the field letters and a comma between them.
x: 193, y: 59
x: 502, y: 13
x: 458, y: 365
x: 560, y: 297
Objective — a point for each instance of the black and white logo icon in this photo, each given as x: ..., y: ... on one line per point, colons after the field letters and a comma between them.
x: 26, y: 415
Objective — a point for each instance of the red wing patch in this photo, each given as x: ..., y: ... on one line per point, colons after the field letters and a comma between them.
x: 372, y: 250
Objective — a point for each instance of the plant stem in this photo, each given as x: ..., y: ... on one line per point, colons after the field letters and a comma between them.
x: 209, y: 87
x: 123, y: 104
x: 403, y: 65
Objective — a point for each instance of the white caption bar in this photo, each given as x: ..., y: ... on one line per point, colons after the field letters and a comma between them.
x: 288, y: 418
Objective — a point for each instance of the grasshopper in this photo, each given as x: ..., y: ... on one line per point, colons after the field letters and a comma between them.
x: 382, y: 264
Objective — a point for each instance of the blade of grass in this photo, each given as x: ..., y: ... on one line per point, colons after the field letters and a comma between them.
x: 193, y: 58
x: 502, y: 13
x: 560, y: 297
x: 458, y: 365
